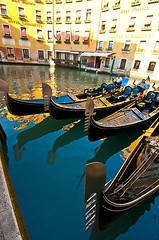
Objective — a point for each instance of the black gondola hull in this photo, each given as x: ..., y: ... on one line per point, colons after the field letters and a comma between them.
x: 96, y: 132
x: 63, y: 111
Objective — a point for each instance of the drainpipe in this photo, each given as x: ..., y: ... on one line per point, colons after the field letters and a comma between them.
x: 112, y: 64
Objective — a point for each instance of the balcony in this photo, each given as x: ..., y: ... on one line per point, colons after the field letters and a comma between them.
x: 24, y: 38
x: 146, y: 28
x: 41, y: 58
x: 153, y: 1
x: 26, y: 57
x: 67, y: 41
x: 11, y: 55
x: 68, y: 1
x: 39, y: 20
x: 49, y: 21
x: 112, y: 30
x: 116, y: 7
x: 105, y: 9
x: 125, y: 50
x: 7, y: 35
x: 109, y: 49
x: 40, y: 39
x: 4, y: 15
x: 76, y: 41
x: 85, y: 42
x: 58, y: 1
x: 102, y: 31
x: 68, y: 22
x: 58, y: 41
x: 87, y: 21
x: 130, y: 29
x: 58, y: 22
x: 135, y: 3
x: 22, y: 17
x: 48, y: 1
x: 77, y: 21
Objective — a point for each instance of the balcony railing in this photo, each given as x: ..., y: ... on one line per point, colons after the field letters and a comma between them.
x: 135, y: 3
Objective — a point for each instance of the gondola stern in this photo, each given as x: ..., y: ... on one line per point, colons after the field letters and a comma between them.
x: 95, y: 178
x: 47, y: 95
x: 89, y: 111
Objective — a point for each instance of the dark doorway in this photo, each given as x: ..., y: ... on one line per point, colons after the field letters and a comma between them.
x: 98, y: 62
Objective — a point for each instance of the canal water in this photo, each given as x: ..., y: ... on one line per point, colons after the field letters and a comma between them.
x: 47, y: 159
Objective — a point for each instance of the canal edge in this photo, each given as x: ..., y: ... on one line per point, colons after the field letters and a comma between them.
x: 10, y: 206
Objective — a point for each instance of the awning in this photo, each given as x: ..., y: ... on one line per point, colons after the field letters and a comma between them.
x: 65, y: 51
x: 95, y: 54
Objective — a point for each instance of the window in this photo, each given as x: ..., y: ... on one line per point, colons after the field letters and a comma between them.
x: 67, y: 37
x: 100, y: 45
x: 113, y: 26
x: 6, y: 30
x: 103, y: 25
x: 88, y: 14
x: 122, y: 64
x: 131, y: 24
x: 41, y: 54
x: 156, y: 49
x: 151, y: 66
x: 49, y: 55
x: 39, y: 35
x: 67, y: 56
x: 38, y: 16
x: 58, y: 16
x: 142, y: 46
x: 105, y: 4
x: 23, y: 33
x: 3, y: 9
x: 116, y: 4
x: 107, y: 62
x: 78, y: 15
x: 49, y: 36
x: 86, y: 37
x: 147, y: 25
x: 76, y: 37
x: 49, y: 16
x: 136, y: 64
x: 58, y: 36
x: 126, y: 46
x: 10, y: 52
x: 68, y: 16
x: 110, y: 46
x: 75, y: 57
x: 21, y: 12
x: 25, y: 53
x: 58, y: 55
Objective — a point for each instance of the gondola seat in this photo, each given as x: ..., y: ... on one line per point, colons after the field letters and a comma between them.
x: 110, y: 87
x: 135, y: 91
x: 126, y: 93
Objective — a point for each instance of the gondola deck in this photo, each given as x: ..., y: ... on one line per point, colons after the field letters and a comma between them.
x: 137, y: 179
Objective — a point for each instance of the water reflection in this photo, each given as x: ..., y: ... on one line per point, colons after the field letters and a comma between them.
x: 38, y: 185
x: 73, y: 132
x: 46, y: 126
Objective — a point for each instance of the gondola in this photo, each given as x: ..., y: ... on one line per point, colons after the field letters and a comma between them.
x: 36, y: 106
x: 138, y: 113
x: 108, y: 103
x: 137, y: 179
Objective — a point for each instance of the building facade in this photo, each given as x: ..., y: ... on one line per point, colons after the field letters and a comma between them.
x: 26, y: 31
x: 115, y: 36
